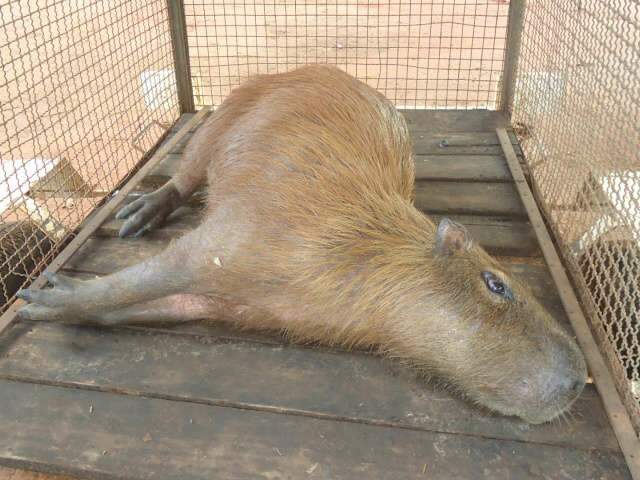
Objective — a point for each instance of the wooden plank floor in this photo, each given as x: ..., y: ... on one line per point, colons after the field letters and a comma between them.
x: 200, y: 401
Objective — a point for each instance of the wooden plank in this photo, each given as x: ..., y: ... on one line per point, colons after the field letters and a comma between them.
x: 318, y: 382
x: 618, y: 415
x: 476, y: 168
x: 180, y: 44
x: 433, y: 139
x: 430, y: 144
x: 489, y: 199
x: 99, y: 216
x: 477, y: 150
x: 455, y: 121
x: 420, y: 148
x: 466, y: 132
x: 481, y: 168
x: 514, y: 34
x: 102, y: 434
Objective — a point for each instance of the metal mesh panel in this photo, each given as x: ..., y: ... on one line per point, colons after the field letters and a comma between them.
x: 86, y: 88
x: 577, y: 111
x: 420, y: 54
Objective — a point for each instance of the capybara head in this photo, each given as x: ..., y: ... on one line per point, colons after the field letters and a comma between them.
x: 493, y: 340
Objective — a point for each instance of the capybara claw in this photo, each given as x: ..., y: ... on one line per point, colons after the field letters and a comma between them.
x: 32, y: 312
x: 24, y: 294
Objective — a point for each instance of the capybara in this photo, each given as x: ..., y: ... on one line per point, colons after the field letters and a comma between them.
x: 310, y: 229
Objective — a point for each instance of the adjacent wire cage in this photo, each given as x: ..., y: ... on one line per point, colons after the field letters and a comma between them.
x: 576, y: 109
x: 86, y: 89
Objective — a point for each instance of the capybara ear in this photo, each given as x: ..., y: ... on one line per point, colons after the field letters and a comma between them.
x: 451, y: 238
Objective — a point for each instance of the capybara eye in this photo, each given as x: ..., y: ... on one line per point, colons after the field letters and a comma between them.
x: 494, y: 284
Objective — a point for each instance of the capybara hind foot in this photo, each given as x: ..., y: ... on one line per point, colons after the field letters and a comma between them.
x: 67, y: 298
x: 149, y: 211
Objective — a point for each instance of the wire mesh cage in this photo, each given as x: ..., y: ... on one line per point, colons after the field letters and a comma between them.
x: 86, y: 89
x: 576, y: 109
x: 419, y: 54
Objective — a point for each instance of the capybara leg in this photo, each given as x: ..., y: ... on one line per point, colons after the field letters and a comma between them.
x: 173, y: 271
x: 177, y: 308
x: 172, y: 309
x: 71, y: 299
x: 149, y: 211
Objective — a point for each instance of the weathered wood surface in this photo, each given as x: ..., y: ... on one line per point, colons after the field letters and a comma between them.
x: 354, y: 387
x: 476, y: 168
x: 446, y: 143
x: 454, y: 121
x: 454, y: 167
x: 429, y: 166
x: 131, y: 437
x: 220, y: 403
x: 486, y: 198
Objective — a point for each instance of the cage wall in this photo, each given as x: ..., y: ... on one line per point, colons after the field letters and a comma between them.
x: 86, y: 89
x: 576, y: 110
x: 420, y: 54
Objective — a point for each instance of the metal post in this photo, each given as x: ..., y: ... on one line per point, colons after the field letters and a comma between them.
x: 178, y: 25
x: 514, y: 35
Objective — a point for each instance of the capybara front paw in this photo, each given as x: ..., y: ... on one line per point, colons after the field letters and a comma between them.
x: 148, y: 212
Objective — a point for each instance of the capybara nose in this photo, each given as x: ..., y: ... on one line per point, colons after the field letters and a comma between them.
x: 567, y: 384
x: 577, y: 387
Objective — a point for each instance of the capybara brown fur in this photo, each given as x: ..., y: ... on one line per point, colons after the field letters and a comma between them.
x: 310, y: 229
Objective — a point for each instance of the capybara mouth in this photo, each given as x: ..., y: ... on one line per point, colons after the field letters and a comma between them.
x: 540, y: 397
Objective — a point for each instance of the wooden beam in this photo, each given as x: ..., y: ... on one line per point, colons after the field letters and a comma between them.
x: 510, y: 71
x: 618, y: 415
x: 99, y: 216
x: 178, y: 25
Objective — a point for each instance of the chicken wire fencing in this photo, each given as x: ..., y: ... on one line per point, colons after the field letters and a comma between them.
x: 419, y: 54
x: 87, y: 88
x: 576, y: 110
